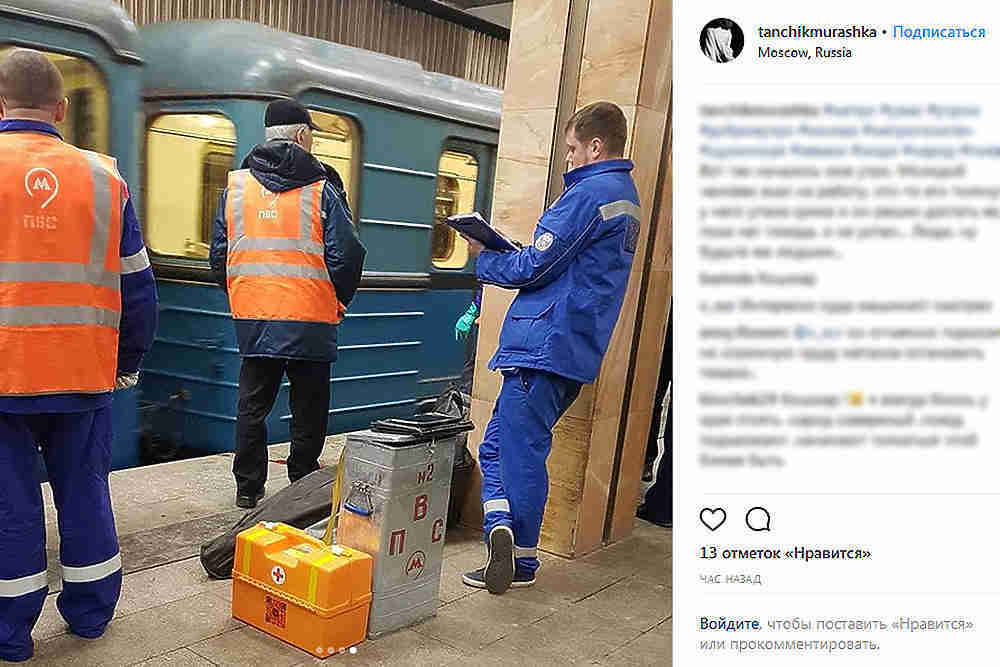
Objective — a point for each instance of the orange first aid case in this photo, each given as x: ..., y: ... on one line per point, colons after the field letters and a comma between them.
x: 298, y: 589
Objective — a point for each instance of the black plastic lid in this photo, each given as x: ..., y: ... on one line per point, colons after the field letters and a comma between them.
x: 425, y: 420
x: 423, y: 427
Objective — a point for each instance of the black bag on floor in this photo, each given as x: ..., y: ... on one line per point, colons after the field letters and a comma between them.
x: 301, y: 504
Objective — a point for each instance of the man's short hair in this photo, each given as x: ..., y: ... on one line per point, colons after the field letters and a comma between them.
x: 284, y: 132
x: 29, y: 80
x: 601, y: 120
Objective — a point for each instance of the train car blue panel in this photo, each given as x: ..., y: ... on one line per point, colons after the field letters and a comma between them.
x: 404, y: 350
x: 351, y: 395
x: 398, y: 195
x: 125, y: 446
x: 391, y: 245
x: 193, y: 370
x: 443, y: 366
x: 171, y: 356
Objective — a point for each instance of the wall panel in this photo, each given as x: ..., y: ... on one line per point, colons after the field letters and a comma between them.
x: 377, y: 25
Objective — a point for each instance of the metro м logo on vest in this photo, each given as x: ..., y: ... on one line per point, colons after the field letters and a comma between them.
x: 41, y: 184
x: 271, y: 198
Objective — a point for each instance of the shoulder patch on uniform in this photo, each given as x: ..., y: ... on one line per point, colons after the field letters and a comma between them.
x: 631, y: 235
x: 544, y: 242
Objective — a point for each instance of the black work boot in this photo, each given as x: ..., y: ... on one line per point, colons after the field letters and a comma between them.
x: 248, y: 501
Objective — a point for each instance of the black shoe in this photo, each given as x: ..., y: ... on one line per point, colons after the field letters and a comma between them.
x: 642, y: 512
x: 248, y: 502
x: 647, y: 471
x: 477, y: 579
x: 499, y: 571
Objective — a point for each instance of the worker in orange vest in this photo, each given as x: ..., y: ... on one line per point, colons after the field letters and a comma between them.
x: 77, y: 314
x: 285, y: 249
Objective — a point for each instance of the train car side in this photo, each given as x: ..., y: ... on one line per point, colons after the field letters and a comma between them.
x: 396, y: 343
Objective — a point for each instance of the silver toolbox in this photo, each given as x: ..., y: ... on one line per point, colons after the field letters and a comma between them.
x: 395, y: 494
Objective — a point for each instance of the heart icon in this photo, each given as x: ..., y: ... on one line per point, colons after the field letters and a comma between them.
x: 713, y: 517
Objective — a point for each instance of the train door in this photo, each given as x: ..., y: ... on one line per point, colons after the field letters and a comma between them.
x: 191, y: 375
x: 464, y: 180
x: 374, y: 375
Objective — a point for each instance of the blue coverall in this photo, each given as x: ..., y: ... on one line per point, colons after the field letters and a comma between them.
x: 571, y: 283
x: 74, y: 432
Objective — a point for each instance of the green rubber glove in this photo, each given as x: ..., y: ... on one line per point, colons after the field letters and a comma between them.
x: 464, y: 323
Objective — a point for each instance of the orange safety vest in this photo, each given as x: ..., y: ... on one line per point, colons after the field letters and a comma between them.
x: 60, y: 269
x: 275, y: 265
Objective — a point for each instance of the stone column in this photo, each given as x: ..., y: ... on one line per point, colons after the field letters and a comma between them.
x: 565, y: 54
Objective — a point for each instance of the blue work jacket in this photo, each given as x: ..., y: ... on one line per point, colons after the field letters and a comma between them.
x: 571, y: 281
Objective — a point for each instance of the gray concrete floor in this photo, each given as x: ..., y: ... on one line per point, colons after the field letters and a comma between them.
x: 609, y: 608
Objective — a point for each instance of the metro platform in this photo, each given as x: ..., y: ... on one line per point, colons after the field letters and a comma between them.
x: 612, y: 607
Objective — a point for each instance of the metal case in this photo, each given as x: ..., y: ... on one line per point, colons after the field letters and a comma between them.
x: 403, y: 482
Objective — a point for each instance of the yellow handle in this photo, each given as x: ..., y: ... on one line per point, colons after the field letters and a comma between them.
x: 335, y: 499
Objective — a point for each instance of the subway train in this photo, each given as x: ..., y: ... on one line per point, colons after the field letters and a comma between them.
x: 179, y: 105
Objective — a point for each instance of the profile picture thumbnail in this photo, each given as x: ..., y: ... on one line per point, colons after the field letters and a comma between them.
x: 722, y: 40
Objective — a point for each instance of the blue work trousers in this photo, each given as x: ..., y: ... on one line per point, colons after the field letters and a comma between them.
x: 513, y: 454
x: 77, y: 451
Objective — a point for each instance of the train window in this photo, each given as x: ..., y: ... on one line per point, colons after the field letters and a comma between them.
x: 87, y: 119
x: 456, y: 193
x: 188, y: 158
x: 335, y: 144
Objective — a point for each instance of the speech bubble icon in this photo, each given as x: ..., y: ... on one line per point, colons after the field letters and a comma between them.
x: 758, y: 519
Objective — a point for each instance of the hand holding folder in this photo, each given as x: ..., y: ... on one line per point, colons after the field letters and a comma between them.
x: 472, y: 225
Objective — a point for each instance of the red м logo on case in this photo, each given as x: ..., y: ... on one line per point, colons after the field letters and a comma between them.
x: 415, y: 564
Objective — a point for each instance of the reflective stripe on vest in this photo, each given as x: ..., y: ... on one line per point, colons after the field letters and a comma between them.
x: 57, y: 272
x: 276, y: 269
x: 60, y: 301
x: 25, y: 316
x: 275, y: 265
